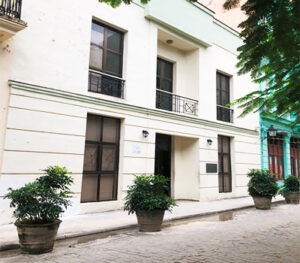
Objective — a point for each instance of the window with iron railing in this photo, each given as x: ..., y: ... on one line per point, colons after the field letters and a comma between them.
x: 165, y: 98
x: 224, y: 113
x: 11, y: 8
x: 106, y: 59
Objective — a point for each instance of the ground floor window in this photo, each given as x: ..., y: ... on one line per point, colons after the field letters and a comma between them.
x: 295, y: 156
x: 101, y: 159
x: 225, y: 184
x: 276, y: 161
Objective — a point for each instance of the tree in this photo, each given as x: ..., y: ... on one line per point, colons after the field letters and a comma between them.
x: 271, y: 53
x: 115, y: 3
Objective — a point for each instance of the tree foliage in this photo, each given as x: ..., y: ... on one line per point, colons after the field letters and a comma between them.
x: 271, y: 53
x: 290, y: 184
x: 116, y: 3
x: 43, y: 200
x: 148, y: 193
x: 262, y: 183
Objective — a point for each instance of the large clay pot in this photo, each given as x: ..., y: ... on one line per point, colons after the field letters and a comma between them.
x: 37, y: 238
x: 150, y: 221
x: 262, y: 202
x: 292, y: 198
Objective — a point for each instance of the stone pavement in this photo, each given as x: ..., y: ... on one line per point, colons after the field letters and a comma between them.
x: 87, y: 224
x: 252, y: 236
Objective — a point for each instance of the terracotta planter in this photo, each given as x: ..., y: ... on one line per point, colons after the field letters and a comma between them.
x: 150, y: 221
x: 262, y: 202
x: 37, y: 238
x: 292, y: 198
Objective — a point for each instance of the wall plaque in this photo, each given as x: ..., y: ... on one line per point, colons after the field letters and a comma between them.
x: 211, y: 168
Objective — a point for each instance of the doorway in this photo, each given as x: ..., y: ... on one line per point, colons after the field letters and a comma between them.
x: 163, y: 150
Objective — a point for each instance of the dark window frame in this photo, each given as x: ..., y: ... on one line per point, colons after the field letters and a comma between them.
x: 276, y: 152
x: 221, y: 173
x: 224, y: 113
x: 161, y: 76
x: 99, y: 172
x: 295, y: 156
x: 105, y: 49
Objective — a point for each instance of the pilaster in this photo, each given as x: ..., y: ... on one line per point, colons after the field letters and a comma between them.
x: 264, y: 149
x: 286, y: 155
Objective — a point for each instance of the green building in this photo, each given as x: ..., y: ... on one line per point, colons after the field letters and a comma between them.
x: 280, y: 146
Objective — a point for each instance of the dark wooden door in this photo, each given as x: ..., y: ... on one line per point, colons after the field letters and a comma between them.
x: 101, y: 159
x: 163, y: 148
x: 225, y: 184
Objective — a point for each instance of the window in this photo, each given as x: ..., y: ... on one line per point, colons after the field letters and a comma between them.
x: 106, y: 55
x: 101, y: 159
x: 224, y: 113
x: 276, y: 162
x: 106, y: 49
x: 295, y: 156
x: 224, y: 164
x: 164, y: 85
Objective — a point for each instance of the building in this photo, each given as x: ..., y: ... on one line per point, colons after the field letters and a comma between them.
x: 110, y: 93
x: 280, y: 146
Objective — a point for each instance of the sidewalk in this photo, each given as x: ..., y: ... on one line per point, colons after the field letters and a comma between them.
x: 87, y: 224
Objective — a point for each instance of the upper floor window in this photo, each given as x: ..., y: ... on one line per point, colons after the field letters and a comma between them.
x: 224, y: 113
x: 106, y: 56
x: 164, y: 85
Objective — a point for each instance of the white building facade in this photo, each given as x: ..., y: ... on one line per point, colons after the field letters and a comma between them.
x: 113, y: 93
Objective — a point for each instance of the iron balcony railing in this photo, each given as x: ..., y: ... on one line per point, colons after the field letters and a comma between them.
x: 106, y: 84
x: 171, y: 102
x: 11, y: 8
x: 224, y: 114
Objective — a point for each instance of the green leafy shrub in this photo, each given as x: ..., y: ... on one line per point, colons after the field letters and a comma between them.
x: 43, y: 200
x: 148, y: 193
x: 262, y: 183
x: 290, y: 184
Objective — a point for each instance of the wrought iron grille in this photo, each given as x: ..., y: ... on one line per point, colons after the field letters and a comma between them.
x: 11, y: 8
x: 224, y: 114
x: 106, y: 84
x: 171, y: 102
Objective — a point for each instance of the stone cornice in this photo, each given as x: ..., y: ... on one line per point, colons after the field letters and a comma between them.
x: 125, y: 106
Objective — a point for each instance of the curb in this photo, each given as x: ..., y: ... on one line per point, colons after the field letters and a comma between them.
x: 12, y: 246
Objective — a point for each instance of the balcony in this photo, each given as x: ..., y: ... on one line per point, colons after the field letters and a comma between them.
x: 224, y: 114
x: 106, y: 84
x: 171, y: 102
x: 10, y: 18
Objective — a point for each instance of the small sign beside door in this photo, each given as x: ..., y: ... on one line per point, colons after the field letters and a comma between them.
x: 211, y: 168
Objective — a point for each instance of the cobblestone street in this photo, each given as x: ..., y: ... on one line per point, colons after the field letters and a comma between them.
x: 251, y: 236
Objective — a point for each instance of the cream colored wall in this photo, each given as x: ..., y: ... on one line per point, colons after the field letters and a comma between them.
x: 52, y: 130
x: 185, y: 69
x: 185, y: 172
x: 6, y: 52
x: 245, y: 154
x: 53, y: 52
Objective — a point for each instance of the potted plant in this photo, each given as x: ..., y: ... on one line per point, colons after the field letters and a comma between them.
x: 148, y: 198
x: 38, y: 206
x: 262, y: 187
x: 291, y: 190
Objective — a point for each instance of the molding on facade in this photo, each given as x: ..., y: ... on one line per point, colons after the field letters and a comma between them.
x: 124, y: 106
